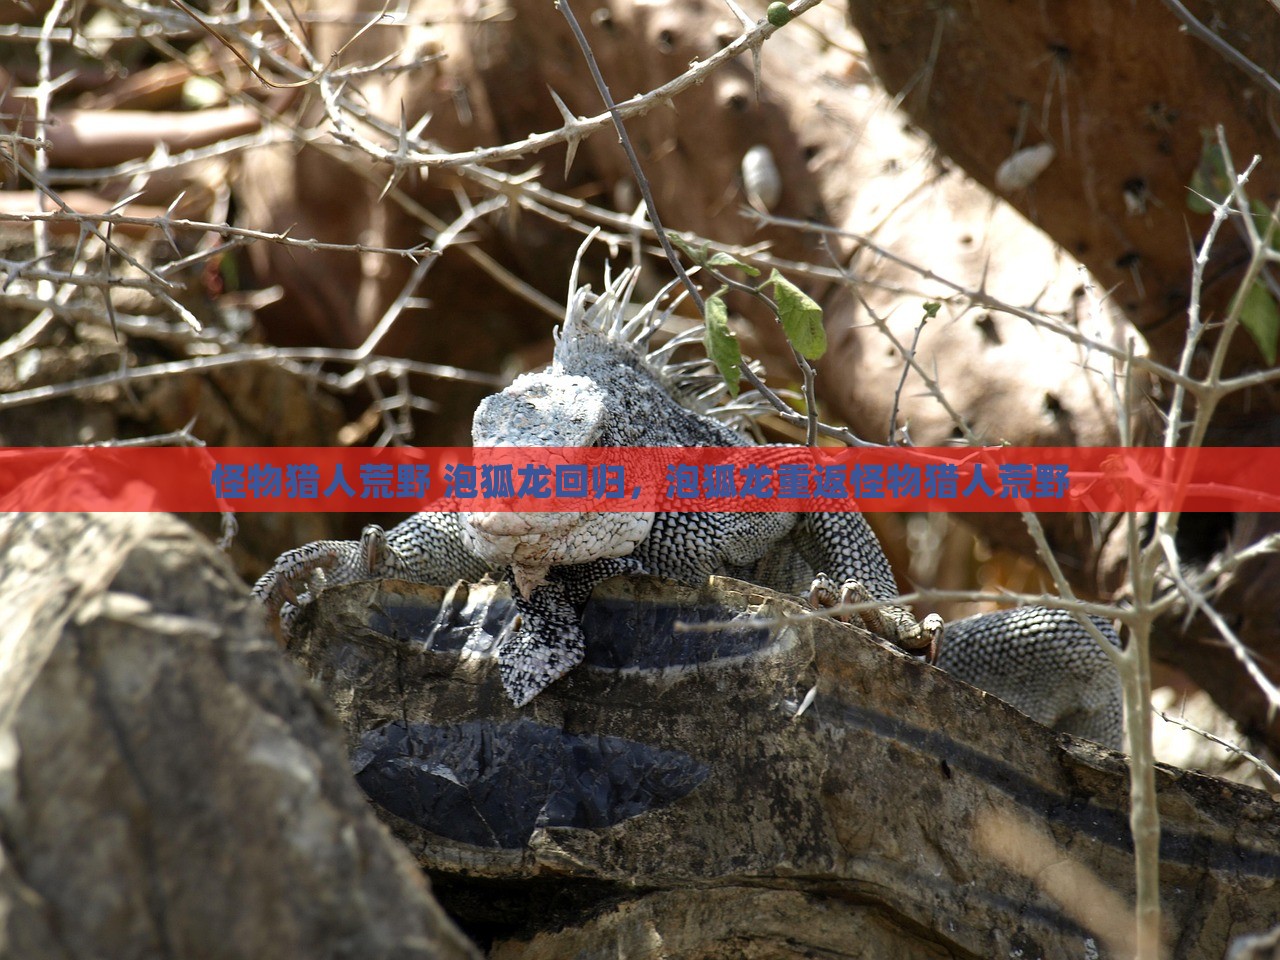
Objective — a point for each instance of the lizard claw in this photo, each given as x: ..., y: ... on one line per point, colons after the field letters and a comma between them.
x: 885, y: 621
x: 823, y: 595
x: 299, y: 575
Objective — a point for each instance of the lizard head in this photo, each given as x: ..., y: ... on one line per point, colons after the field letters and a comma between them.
x: 547, y: 409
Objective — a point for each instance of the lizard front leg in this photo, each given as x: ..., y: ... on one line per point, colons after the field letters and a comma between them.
x: 844, y: 543
x: 546, y: 644
x: 299, y: 575
x: 920, y: 637
x: 425, y: 548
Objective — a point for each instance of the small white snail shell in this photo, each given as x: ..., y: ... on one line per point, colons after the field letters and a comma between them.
x: 1021, y: 168
x: 760, y: 178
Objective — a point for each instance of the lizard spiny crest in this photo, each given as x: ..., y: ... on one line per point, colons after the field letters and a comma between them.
x: 603, y: 388
x: 611, y: 325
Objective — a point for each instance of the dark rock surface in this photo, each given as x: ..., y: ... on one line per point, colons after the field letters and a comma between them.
x: 902, y: 813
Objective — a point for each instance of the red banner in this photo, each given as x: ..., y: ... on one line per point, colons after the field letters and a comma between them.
x: 628, y: 479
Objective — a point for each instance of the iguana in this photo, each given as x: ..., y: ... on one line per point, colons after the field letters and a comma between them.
x: 606, y: 388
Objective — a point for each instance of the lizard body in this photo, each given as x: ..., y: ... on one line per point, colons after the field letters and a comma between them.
x: 605, y: 389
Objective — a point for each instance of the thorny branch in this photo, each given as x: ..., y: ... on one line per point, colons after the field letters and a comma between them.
x: 354, y: 135
x: 167, y: 225
x: 1264, y: 767
x: 1256, y: 73
x: 641, y: 180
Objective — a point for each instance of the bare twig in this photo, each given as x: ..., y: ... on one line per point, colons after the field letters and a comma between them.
x: 980, y: 297
x: 443, y: 240
x: 169, y: 224
x: 902, y: 381
x: 289, y: 357
x: 44, y: 91
x: 1262, y: 766
x: 1197, y: 599
x: 641, y: 180
x: 1258, y: 75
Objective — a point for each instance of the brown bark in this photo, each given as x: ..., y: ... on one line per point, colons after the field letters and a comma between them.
x: 1124, y: 95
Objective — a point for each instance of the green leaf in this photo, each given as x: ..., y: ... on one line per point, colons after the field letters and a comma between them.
x: 1260, y: 317
x: 230, y: 271
x: 697, y: 254
x: 801, y: 317
x: 722, y: 343
x: 931, y: 308
x: 728, y: 260
x: 1210, y: 183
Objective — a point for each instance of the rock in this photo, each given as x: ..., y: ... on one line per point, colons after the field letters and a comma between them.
x: 666, y: 799
x: 169, y: 784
